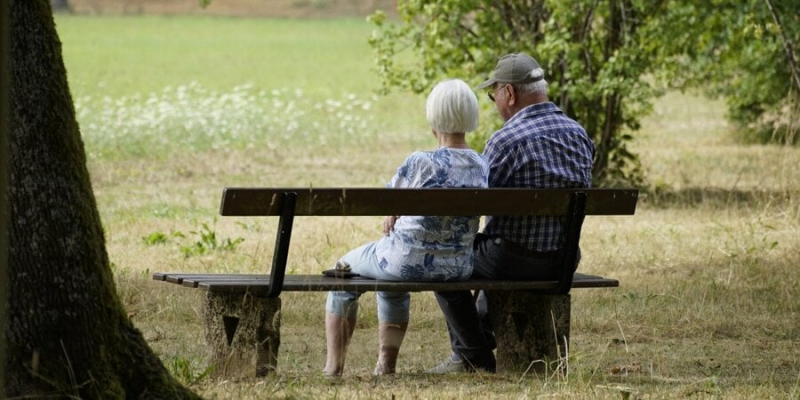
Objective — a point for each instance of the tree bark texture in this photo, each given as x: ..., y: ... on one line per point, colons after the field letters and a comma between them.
x: 5, y: 83
x: 244, y: 334
x: 67, y: 332
x: 531, y: 330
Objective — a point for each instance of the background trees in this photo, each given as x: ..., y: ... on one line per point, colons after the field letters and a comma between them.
x: 606, y: 60
x: 737, y: 50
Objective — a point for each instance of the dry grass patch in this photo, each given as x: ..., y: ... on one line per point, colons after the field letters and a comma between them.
x: 708, y: 304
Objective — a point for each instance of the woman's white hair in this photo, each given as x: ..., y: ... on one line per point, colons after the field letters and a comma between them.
x: 452, y: 107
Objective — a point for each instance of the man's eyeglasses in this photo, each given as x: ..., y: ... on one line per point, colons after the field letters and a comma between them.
x: 491, y: 94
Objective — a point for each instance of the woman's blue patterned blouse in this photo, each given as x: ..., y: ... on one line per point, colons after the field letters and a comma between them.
x: 434, y: 248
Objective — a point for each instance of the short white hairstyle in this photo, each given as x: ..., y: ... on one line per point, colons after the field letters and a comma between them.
x: 452, y: 107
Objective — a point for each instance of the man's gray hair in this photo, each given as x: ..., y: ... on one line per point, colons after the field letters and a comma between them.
x: 538, y: 87
x: 452, y: 107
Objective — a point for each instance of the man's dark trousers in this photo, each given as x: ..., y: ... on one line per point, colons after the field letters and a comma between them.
x: 471, y: 336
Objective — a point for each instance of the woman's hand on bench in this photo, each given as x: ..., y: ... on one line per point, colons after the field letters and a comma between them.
x: 388, y: 224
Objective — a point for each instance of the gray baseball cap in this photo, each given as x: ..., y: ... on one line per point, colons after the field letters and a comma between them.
x: 515, y: 68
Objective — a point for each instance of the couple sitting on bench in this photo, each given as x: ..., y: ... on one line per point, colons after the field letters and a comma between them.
x: 538, y: 147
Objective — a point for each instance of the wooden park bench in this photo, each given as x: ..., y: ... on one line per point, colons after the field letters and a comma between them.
x: 531, y: 318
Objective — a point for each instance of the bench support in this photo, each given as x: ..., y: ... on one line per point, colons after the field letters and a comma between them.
x: 531, y: 330
x: 243, y: 332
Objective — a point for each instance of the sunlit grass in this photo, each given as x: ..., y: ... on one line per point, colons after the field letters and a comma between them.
x: 143, y: 54
x: 174, y: 109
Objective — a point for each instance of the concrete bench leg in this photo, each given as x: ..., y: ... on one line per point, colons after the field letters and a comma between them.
x: 244, y: 333
x: 532, y: 331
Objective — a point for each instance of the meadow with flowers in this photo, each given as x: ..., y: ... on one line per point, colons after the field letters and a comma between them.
x: 174, y: 109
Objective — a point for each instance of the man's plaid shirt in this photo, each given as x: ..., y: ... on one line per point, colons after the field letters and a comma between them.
x: 539, y: 147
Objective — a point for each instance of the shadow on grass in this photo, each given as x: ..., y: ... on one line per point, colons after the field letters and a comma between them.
x: 717, y: 197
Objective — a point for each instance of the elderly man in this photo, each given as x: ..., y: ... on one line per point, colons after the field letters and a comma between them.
x: 539, y: 147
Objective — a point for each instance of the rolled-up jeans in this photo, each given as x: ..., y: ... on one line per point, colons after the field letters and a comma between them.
x: 393, y: 307
x: 470, y: 333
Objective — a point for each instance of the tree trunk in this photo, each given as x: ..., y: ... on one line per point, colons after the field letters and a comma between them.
x: 5, y: 83
x: 67, y: 332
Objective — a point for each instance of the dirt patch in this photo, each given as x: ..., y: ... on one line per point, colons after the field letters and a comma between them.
x: 238, y: 8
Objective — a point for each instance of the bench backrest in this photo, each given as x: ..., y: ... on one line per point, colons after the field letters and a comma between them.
x: 287, y: 203
x: 373, y: 201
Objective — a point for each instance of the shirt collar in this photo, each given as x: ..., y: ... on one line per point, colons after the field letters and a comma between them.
x: 534, y: 110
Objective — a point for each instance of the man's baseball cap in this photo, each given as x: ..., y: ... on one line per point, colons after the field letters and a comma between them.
x: 515, y: 68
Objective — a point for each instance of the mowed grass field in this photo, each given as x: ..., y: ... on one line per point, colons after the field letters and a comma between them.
x: 173, y: 109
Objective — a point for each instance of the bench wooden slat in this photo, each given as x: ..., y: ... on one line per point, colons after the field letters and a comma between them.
x: 160, y: 276
x: 195, y: 280
x: 192, y: 279
x: 177, y: 278
x: 374, y: 201
x: 258, y: 283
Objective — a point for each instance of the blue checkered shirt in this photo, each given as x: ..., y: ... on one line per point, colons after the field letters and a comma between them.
x: 539, y: 147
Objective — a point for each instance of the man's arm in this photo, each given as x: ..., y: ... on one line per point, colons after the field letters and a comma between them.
x: 501, y: 162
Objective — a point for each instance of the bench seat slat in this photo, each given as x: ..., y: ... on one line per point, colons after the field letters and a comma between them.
x: 194, y: 281
x: 181, y: 278
x: 259, y: 284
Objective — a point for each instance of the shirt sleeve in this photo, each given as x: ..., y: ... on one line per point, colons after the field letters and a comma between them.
x: 404, y: 175
x: 500, y: 161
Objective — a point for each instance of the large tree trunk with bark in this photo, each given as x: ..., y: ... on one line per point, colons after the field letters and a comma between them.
x: 67, y: 332
x: 5, y: 83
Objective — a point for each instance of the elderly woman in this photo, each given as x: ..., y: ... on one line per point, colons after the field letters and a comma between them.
x: 415, y: 248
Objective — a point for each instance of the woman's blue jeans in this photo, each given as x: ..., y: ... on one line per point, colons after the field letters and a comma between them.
x: 392, y: 306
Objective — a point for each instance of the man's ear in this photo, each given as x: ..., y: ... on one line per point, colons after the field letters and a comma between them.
x: 512, y: 95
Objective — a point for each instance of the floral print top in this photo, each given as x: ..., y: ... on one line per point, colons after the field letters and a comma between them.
x: 434, y: 248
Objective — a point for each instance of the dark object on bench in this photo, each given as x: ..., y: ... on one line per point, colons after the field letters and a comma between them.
x: 531, y: 318
x: 336, y: 273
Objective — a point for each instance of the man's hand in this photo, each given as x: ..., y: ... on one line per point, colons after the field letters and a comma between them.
x: 388, y: 224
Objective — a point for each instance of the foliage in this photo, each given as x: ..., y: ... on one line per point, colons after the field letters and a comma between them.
x: 600, y: 58
x: 596, y: 59
x: 155, y: 238
x: 189, y: 371
x: 735, y: 49
x: 207, y: 241
x: 158, y: 237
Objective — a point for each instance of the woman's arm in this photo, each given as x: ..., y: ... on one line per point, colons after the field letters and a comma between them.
x: 402, y: 179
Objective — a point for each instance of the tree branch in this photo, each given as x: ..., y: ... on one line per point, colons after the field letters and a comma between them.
x: 587, y: 26
x: 787, y: 44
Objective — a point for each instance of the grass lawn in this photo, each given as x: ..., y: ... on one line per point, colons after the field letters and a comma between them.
x: 173, y: 109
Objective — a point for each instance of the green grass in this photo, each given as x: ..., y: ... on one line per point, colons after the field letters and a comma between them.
x: 125, y: 55
x: 708, y: 304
